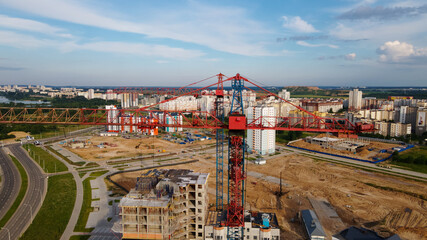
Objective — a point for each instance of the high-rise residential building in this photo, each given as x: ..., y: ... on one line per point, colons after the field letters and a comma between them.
x: 261, y: 141
x: 166, y: 204
x: 284, y: 94
x: 420, y: 123
x: 355, y: 99
x: 112, y: 117
x: 129, y: 100
x: 90, y: 94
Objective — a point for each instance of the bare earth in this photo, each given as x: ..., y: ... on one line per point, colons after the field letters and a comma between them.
x: 18, y: 135
x: 396, y: 209
x: 364, y: 153
x: 118, y: 147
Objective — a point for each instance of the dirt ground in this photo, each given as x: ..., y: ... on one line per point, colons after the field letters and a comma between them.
x: 18, y: 135
x: 386, y: 203
x: 118, y: 147
x: 363, y: 153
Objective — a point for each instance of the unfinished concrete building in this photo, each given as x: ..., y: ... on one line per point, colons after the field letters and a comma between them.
x: 258, y: 226
x: 166, y: 204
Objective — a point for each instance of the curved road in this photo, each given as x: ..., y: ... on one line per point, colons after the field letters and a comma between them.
x: 11, y: 182
x: 33, y: 199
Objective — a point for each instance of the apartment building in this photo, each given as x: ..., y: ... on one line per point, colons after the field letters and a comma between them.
x: 166, y: 204
x: 261, y: 141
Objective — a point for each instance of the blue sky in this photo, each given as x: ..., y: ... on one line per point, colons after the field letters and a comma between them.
x: 154, y: 43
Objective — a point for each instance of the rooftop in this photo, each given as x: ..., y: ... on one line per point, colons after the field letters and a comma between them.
x: 312, y: 223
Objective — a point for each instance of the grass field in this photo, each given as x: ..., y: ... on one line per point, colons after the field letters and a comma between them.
x: 97, y: 174
x: 414, y: 153
x: 86, y: 207
x: 53, y: 217
x: 411, y: 166
x: 21, y: 193
x: 46, y: 161
x: 60, y: 132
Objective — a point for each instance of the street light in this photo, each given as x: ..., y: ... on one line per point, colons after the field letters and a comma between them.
x: 31, y: 211
x: 8, y: 232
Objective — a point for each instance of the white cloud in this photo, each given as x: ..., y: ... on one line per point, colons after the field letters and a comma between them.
x: 226, y: 29
x: 17, y: 40
x: 31, y: 25
x: 306, y: 44
x: 26, y: 41
x: 297, y: 24
x: 350, y: 56
x: 134, y: 48
x: 400, y: 52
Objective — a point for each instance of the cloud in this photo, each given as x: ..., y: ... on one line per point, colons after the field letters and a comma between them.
x: 226, y: 29
x: 134, y: 48
x: 26, y: 41
x: 306, y: 44
x: 32, y: 26
x: 382, y: 13
x: 18, y: 40
x: 2, y: 68
x: 298, y: 25
x: 401, y: 52
x: 350, y: 56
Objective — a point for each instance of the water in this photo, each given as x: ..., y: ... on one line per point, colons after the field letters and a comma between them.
x: 27, y: 102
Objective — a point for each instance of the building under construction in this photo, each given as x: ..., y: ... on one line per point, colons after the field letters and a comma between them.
x: 166, y: 204
x: 257, y: 225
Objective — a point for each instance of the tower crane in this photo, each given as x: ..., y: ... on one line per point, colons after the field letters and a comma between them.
x: 234, y: 121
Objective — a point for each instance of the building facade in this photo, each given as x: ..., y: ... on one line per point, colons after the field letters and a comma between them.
x: 261, y: 141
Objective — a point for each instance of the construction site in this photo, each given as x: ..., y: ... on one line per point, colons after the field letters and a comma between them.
x: 341, y: 196
x: 221, y: 193
x: 358, y: 148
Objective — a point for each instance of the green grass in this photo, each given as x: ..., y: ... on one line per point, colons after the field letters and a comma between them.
x: 60, y: 132
x: 53, y: 216
x: 92, y: 164
x: 86, y: 207
x: 97, y: 174
x: 80, y: 237
x: 50, y: 162
x: 21, y: 193
x: 410, y: 166
x: 82, y: 174
x: 64, y: 157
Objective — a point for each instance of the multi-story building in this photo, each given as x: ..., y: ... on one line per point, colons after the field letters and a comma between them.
x: 166, y: 204
x: 370, y: 103
x: 90, y: 94
x: 129, y: 100
x: 399, y: 129
x: 355, y: 99
x: 322, y: 105
x: 284, y: 94
x: 421, y: 125
x: 112, y: 117
x: 261, y: 141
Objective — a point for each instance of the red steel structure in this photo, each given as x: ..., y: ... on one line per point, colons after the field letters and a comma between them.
x: 149, y: 118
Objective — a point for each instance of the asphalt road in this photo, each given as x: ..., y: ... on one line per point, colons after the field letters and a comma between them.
x: 33, y: 199
x: 11, y: 183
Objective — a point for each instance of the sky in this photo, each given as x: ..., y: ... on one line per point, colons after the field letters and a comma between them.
x: 174, y: 43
